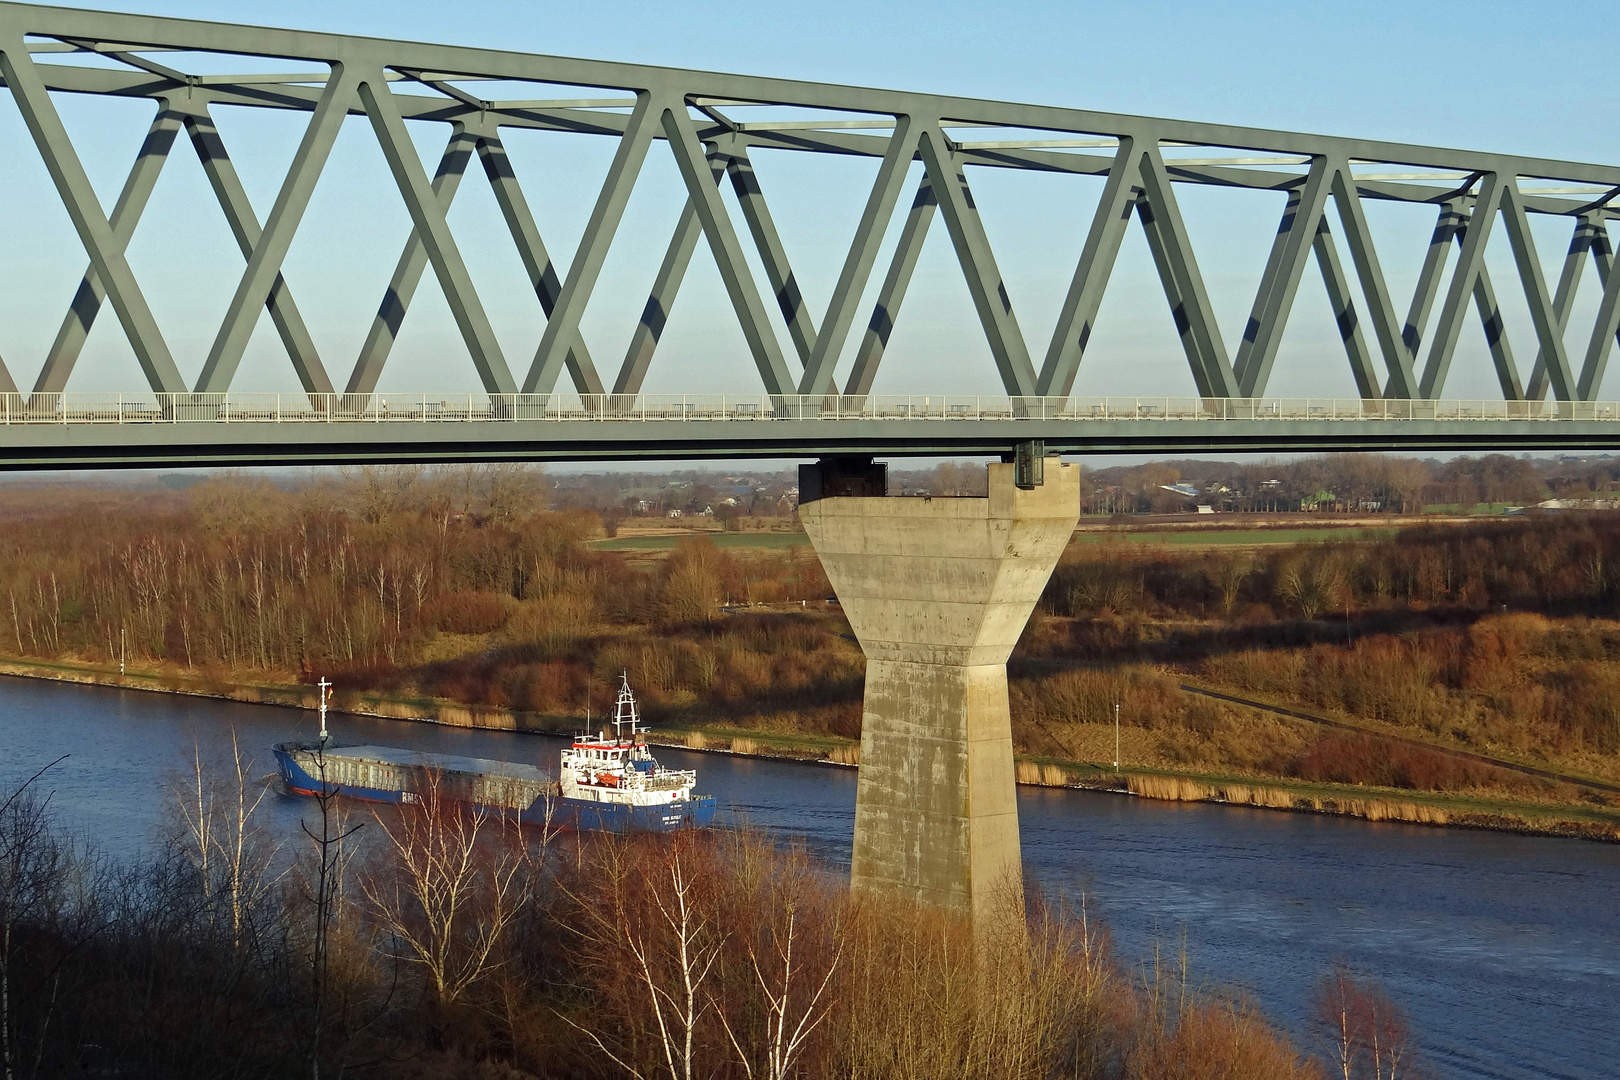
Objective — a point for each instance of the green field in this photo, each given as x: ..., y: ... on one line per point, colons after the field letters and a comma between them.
x: 724, y: 540
x: 1234, y: 537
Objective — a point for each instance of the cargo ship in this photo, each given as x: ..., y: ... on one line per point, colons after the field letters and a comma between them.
x: 605, y: 782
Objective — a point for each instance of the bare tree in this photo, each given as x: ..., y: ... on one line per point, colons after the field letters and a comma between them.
x: 1230, y: 577
x: 247, y: 858
x: 672, y: 958
x: 445, y: 900
x: 1309, y: 583
x: 1366, y: 1033
x: 323, y: 899
x: 788, y: 1023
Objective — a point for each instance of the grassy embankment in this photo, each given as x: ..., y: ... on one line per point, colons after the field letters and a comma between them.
x: 515, y: 621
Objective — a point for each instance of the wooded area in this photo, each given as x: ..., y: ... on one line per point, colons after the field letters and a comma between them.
x: 1492, y: 636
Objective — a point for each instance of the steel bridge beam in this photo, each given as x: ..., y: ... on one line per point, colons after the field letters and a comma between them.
x: 158, y: 446
x: 713, y: 125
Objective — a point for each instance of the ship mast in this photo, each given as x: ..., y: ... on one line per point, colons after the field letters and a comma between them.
x: 326, y: 690
x: 624, y: 710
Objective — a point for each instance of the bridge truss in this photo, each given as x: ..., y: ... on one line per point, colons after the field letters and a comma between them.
x: 711, y: 124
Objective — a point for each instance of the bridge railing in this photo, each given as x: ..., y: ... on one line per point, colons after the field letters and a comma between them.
x: 250, y: 408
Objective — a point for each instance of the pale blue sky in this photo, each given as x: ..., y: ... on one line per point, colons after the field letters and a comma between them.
x: 1525, y: 78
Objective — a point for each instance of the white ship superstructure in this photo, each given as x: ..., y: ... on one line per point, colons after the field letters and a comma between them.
x: 620, y: 770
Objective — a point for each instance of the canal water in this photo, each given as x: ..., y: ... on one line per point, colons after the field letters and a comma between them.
x: 1503, y: 950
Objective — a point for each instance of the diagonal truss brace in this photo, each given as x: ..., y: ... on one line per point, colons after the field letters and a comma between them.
x: 1398, y: 358
x: 1079, y: 312
x: 728, y: 255
x: 465, y: 139
x: 1183, y: 285
x: 1590, y: 239
x: 1342, y: 301
x: 1497, y: 194
x: 532, y: 250
x: 132, y: 199
x: 1607, y: 327
x: 1469, y: 264
x: 427, y: 215
x: 95, y: 231
x: 1452, y: 226
x: 1547, y: 322
x: 244, y: 224
x: 822, y: 362
x: 984, y: 281
x: 1295, y: 239
x: 408, y: 271
x: 88, y: 297
x: 263, y: 273
x: 728, y: 157
x: 893, y: 290
x: 661, y: 298
x: 1139, y: 184
x: 562, y: 328
x: 757, y: 215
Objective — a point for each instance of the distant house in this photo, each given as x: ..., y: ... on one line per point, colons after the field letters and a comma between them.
x: 674, y: 513
x: 1322, y: 500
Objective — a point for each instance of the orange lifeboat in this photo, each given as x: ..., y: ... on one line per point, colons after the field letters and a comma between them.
x: 607, y: 779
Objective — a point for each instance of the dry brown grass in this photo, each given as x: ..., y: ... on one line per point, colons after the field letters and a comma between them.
x: 1185, y: 789
x: 845, y: 755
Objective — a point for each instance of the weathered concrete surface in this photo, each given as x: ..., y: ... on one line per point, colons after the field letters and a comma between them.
x: 938, y: 592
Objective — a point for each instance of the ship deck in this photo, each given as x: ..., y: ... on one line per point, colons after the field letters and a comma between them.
x: 401, y: 758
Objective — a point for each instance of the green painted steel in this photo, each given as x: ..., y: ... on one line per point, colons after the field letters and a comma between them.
x: 81, y: 431
x: 714, y: 124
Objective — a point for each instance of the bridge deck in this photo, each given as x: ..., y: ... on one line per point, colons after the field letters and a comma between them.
x: 144, y: 430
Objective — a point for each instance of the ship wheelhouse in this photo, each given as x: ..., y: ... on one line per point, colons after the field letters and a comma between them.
x: 620, y: 768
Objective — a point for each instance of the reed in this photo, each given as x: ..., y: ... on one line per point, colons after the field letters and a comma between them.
x: 695, y: 740
x: 845, y: 755
x: 742, y: 745
x: 1184, y: 789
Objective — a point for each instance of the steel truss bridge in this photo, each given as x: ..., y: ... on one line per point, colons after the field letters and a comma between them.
x: 816, y: 395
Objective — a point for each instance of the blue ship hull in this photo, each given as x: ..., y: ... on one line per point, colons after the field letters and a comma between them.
x: 546, y: 810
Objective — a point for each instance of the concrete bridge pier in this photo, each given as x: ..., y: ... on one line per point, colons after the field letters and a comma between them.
x: 938, y: 591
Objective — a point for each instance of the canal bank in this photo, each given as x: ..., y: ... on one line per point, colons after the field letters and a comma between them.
x: 1597, y: 823
x: 1504, y: 950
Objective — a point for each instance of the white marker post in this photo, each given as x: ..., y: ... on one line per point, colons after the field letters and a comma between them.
x: 1116, y: 736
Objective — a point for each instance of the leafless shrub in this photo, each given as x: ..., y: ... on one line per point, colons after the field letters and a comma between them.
x: 445, y: 899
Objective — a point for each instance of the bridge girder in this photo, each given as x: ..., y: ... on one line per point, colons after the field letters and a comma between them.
x: 712, y: 122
